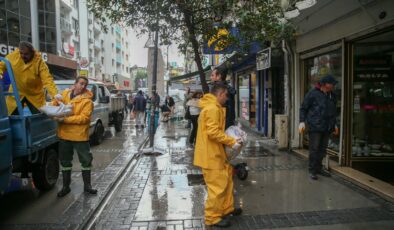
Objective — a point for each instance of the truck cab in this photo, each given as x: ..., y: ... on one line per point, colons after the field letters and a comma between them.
x: 106, y: 109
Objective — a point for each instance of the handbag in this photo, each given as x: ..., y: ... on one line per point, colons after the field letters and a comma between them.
x: 188, y: 116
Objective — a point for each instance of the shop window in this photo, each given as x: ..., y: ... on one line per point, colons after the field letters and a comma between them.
x: 3, y: 23
x: 318, y: 67
x: 41, y: 4
x: 42, y: 46
x: 373, y: 97
x: 247, y: 99
x: 3, y: 37
x: 50, y: 19
x: 50, y: 5
x: 24, y: 8
x: 12, y: 6
x: 51, y: 48
x: 2, y: 4
x: 13, y: 22
x: 13, y: 39
x: 50, y: 35
x: 41, y: 18
x: 25, y: 26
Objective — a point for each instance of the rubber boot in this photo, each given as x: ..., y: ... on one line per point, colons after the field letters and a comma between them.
x: 87, y: 187
x: 66, y: 183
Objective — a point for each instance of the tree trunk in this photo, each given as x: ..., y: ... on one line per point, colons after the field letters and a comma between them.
x: 197, y: 57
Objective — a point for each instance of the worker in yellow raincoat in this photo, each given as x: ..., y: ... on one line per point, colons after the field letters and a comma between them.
x: 209, y: 154
x: 73, y: 132
x: 31, y: 75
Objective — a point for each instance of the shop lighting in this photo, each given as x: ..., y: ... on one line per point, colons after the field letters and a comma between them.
x: 291, y: 14
x: 302, y: 5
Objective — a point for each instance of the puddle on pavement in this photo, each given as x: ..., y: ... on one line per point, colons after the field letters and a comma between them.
x: 195, y: 179
x: 169, y: 197
x: 255, y: 151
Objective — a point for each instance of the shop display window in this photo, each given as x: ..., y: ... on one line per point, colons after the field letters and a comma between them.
x: 373, y: 97
x: 318, y: 67
x: 247, y: 99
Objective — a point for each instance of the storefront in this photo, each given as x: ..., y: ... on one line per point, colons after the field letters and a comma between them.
x: 248, y: 94
x: 371, y: 105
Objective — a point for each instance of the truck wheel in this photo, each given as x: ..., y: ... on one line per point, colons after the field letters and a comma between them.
x: 98, y: 134
x: 118, y: 122
x: 45, y: 174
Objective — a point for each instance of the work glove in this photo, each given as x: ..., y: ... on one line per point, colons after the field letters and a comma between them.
x: 58, y: 97
x: 301, y: 127
x: 58, y: 119
x: 237, y: 144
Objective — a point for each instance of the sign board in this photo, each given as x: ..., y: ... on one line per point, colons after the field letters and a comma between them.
x: 4, y: 50
x: 263, y: 59
x: 84, y: 62
x: 83, y: 73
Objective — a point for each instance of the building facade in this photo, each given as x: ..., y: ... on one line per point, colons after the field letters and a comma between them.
x: 353, y: 41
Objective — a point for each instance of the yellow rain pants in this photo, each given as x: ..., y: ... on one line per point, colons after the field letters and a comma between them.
x: 220, y: 201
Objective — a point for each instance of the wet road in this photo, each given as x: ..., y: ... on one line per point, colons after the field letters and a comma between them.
x: 32, y: 207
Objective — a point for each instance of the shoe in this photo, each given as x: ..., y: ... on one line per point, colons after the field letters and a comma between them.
x: 87, y: 187
x: 236, y: 212
x: 66, y: 184
x: 313, y: 176
x: 325, y: 173
x: 223, y: 223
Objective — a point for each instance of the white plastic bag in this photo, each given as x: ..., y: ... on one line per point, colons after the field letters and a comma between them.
x: 236, y: 132
x: 57, y: 111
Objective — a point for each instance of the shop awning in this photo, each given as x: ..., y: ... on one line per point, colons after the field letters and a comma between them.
x: 189, y: 76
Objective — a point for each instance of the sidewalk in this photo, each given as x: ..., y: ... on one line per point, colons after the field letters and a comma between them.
x: 167, y: 192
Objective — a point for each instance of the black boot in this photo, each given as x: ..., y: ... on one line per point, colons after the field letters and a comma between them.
x: 66, y: 183
x: 87, y: 187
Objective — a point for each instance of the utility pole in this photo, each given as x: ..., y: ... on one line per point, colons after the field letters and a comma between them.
x: 154, y: 95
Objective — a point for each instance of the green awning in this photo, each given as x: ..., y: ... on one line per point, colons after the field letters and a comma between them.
x: 189, y: 75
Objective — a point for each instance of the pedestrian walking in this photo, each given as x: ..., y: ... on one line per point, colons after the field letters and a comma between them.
x: 139, y: 109
x: 219, y: 75
x: 318, y: 113
x: 209, y: 155
x: 130, y: 104
x: 31, y: 76
x: 73, y: 133
x: 170, y: 103
x: 194, y: 109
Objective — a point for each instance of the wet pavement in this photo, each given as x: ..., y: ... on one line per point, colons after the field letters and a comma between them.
x: 30, y: 209
x: 168, y: 192
x: 165, y: 192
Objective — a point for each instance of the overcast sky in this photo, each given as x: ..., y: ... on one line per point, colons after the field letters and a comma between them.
x: 139, y: 54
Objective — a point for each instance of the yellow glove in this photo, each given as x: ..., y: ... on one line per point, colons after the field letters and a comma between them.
x: 301, y: 127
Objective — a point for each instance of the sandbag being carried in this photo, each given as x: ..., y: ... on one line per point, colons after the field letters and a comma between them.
x: 57, y: 111
x: 236, y: 132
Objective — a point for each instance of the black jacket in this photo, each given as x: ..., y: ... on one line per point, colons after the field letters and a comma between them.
x: 319, y: 111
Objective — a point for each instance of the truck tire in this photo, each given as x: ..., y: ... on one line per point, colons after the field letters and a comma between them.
x: 98, y: 134
x: 45, y: 174
x: 118, y: 122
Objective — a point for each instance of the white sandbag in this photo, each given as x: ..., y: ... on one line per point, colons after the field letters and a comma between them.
x: 57, y: 111
x: 235, y: 132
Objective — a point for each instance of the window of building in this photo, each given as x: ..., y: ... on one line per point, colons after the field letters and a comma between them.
x: 75, y: 4
x: 127, y: 57
x: 318, y: 67
x: 112, y: 30
x: 12, y: 6
x: 127, y: 69
x: 75, y: 24
x: 113, y: 62
x: 102, y: 60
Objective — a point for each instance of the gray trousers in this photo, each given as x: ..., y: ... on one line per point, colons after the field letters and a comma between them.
x: 318, y: 142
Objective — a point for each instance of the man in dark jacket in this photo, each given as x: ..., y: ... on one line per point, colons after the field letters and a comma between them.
x: 318, y: 111
x: 139, y: 108
x: 219, y: 75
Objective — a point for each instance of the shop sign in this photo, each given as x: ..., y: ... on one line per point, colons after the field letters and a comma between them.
x: 373, y: 75
x: 4, y: 50
x: 263, y: 59
x: 373, y: 61
x: 83, y: 73
x: 84, y: 62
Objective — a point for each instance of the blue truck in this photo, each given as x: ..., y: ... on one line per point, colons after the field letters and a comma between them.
x: 28, y: 144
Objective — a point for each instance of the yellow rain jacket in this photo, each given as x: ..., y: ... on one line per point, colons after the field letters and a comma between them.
x: 76, y: 126
x: 209, y: 151
x: 30, y: 79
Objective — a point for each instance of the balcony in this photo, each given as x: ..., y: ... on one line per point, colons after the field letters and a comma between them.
x: 97, y: 62
x: 118, y: 59
x: 96, y: 28
x: 118, y: 45
x: 97, y: 45
x: 118, y: 30
x: 65, y: 26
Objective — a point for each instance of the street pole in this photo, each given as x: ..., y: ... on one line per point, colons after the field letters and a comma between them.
x: 154, y: 81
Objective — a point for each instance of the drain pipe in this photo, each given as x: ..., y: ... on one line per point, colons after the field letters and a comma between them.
x: 287, y: 88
